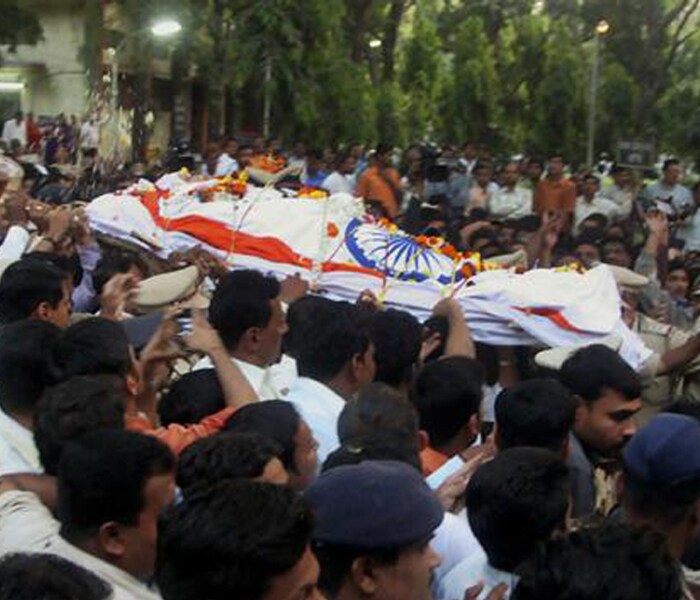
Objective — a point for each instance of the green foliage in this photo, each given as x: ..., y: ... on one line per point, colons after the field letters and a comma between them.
x: 18, y: 25
x: 514, y: 74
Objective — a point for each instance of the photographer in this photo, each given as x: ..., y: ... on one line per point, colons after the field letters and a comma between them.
x: 668, y: 194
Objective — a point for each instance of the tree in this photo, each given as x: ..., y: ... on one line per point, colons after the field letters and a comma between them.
x: 18, y: 25
x: 421, y: 74
x: 647, y: 39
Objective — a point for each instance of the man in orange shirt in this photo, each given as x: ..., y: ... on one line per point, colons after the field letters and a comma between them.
x: 380, y: 184
x: 447, y: 395
x: 554, y: 192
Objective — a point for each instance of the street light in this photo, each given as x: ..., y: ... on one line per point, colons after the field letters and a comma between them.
x: 166, y: 27
x: 602, y: 28
x: 161, y: 29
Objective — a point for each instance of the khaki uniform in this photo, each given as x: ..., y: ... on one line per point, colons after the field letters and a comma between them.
x: 658, y: 392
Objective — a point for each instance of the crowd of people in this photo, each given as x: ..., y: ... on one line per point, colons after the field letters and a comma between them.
x: 172, y: 429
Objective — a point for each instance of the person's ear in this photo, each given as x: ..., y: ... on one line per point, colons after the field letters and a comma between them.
x: 42, y: 311
x: 474, y: 426
x: 110, y: 538
x: 358, y: 366
x: 423, y: 440
x: 132, y: 383
x: 565, y: 449
x: 581, y: 411
x: 251, y: 336
x: 496, y: 433
x: 363, y: 575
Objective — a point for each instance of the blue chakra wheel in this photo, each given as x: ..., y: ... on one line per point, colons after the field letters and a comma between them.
x: 396, y: 254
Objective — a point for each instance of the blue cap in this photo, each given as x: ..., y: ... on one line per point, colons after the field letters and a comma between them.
x: 666, y: 451
x: 375, y: 504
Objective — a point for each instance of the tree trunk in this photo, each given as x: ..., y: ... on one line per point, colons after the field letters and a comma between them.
x: 391, y: 34
x: 359, y: 12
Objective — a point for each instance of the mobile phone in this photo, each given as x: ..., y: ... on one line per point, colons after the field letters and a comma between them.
x: 184, y: 320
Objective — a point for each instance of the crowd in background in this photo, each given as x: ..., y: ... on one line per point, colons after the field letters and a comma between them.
x: 172, y: 429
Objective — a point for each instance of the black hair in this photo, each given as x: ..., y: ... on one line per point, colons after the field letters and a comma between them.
x: 538, y: 412
x: 224, y: 456
x: 114, y: 262
x: 27, y: 284
x: 378, y: 409
x: 600, y: 221
x: 684, y: 406
x: 537, y: 161
x: 102, y: 477
x: 396, y: 335
x: 336, y: 563
x: 516, y: 501
x: 70, y: 265
x: 338, y: 333
x: 231, y: 540
x: 447, y: 393
x: 300, y: 314
x: 670, y: 162
x: 191, y: 398
x: 615, y: 561
x: 383, y: 148
x: 593, y: 369
x: 669, y: 504
x: 589, y: 236
x: 48, y: 577
x: 277, y: 420
x: 676, y: 264
x: 24, y: 368
x: 380, y: 424
x: 73, y: 408
x: 242, y: 301
x: 92, y: 346
x: 616, y: 240
x: 387, y: 446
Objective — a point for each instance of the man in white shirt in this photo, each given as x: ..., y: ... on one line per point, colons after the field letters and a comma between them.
x: 112, y: 487
x: 342, y: 180
x: 335, y: 360
x: 482, y: 190
x: 89, y: 135
x: 623, y: 191
x: 227, y: 164
x: 668, y: 191
x: 15, y: 129
x: 591, y: 202
x: 511, y: 201
x: 247, y: 312
x: 24, y: 373
x: 514, y: 502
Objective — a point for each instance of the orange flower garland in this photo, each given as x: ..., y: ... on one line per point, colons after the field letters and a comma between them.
x: 332, y: 230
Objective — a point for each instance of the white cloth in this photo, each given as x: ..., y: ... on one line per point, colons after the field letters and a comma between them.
x: 18, y: 452
x: 471, y: 571
x: 511, y: 204
x: 13, y: 131
x: 284, y: 374
x: 26, y: 525
x: 481, y: 197
x: 689, y: 231
x: 271, y: 383
x: 337, y: 183
x: 15, y: 243
x: 680, y: 197
x: 598, y: 205
x: 454, y: 542
x: 226, y: 165
x: 624, y: 198
x: 320, y: 408
x: 89, y: 135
